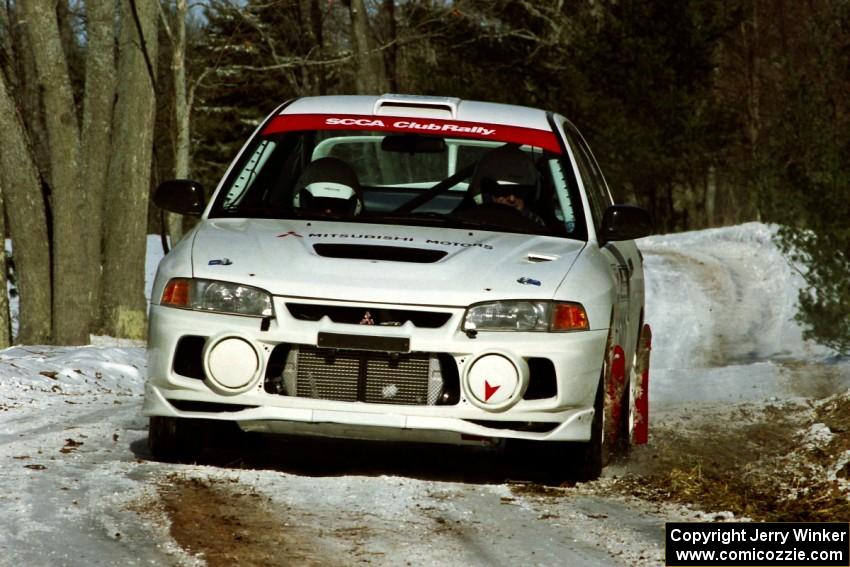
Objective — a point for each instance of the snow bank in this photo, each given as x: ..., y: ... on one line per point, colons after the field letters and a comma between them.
x: 721, y: 303
x: 40, y: 375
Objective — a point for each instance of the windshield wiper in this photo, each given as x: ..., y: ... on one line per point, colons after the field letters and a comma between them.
x: 278, y: 214
x: 453, y: 221
x: 396, y: 216
x: 497, y: 227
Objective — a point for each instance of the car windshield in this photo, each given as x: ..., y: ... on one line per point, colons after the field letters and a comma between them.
x: 362, y: 171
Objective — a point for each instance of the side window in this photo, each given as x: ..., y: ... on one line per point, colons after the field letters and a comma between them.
x: 597, y: 174
x: 594, y: 183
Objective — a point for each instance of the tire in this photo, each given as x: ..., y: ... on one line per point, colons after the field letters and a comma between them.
x: 591, y: 457
x: 174, y: 439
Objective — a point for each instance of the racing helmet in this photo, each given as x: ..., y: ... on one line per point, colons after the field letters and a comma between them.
x: 506, y: 169
x: 328, y: 185
x: 491, y: 188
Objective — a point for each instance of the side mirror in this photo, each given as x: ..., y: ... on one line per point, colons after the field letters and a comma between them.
x: 624, y: 222
x: 182, y: 196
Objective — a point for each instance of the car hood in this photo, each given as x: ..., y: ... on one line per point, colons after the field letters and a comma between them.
x: 373, y: 262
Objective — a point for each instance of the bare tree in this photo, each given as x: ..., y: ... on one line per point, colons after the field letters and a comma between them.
x: 123, y: 302
x: 370, y: 75
x: 5, y: 319
x: 60, y: 277
x: 22, y: 81
x: 311, y: 21
x: 27, y: 224
x: 70, y: 308
x: 176, y: 32
x: 391, y: 30
x: 97, y: 135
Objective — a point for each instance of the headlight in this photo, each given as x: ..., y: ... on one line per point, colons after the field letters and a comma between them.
x: 526, y: 316
x: 216, y: 296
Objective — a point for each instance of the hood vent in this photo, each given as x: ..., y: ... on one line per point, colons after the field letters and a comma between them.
x: 416, y: 106
x: 534, y: 257
x: 385, y: 253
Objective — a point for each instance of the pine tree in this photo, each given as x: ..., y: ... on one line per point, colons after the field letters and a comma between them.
x: 808, y: 152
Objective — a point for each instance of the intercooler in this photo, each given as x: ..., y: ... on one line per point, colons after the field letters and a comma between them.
x: 363, y: 376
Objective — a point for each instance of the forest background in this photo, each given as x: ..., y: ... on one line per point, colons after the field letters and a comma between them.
x: 705, y: 112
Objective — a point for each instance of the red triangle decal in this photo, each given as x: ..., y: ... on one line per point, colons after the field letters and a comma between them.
x: 489, y: 390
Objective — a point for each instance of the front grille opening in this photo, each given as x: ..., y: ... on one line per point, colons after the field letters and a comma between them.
x: 208, y: 407
x: 363, y: 376
x: 451, y: 380
x: 374, y: 252
x: 188, y: 359
x: 541, y: 381
x: 526, y: 426
x: 273, y: 383
x: 359, y: 315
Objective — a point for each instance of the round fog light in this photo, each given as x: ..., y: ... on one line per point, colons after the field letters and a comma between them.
x: 232, y: 364
x: 495, y: 381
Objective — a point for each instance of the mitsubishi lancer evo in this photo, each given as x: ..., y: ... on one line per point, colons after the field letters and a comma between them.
x: 404, y: 268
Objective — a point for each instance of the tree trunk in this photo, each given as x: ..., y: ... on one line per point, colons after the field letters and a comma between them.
x: 23, y: 85
x: 369, y: 64
x: 5, y: 319
x: 70, y: 308
x: 317, y: 23
x: 711, y: 197
x: 391, y: 57
x: 751, y: 34
x: 6, y: 50
x: 181, y: 111
x: 96, y: 134
x: 309, y: 75
x: 124, y: 305
x: 27, y: 226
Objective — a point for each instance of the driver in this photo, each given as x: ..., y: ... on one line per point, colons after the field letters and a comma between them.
x: 328, y: 186
x: 510, y: 194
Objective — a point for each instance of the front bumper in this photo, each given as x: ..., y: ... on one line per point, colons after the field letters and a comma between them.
x: 565, y: 415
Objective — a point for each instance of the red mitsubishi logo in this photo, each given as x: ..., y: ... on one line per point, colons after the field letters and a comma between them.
x: 490, y: 390
x: 290, y: 233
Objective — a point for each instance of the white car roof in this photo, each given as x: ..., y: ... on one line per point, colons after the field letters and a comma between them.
x: 446, y: 108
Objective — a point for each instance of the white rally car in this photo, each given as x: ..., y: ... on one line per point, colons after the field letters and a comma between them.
x: 403, y: 268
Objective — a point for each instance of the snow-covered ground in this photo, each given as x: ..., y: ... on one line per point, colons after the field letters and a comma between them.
x: 721, y: 303
x: 76, y: 487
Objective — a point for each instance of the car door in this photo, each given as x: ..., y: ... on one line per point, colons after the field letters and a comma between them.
x: 624, y: 259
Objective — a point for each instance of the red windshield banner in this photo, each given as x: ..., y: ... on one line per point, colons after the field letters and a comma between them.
x: 450, y: 128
